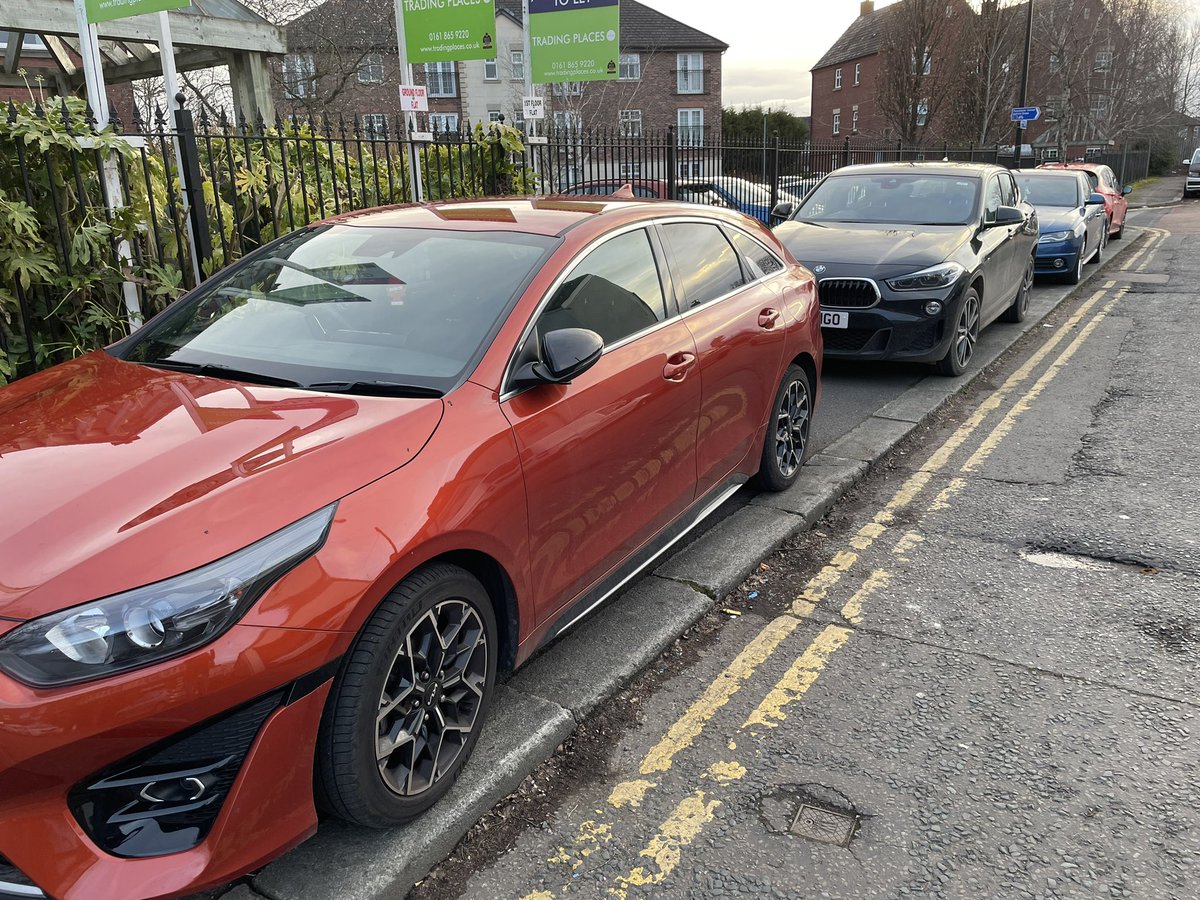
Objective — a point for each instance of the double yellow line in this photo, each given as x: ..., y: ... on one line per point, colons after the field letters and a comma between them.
x: 686, y: 822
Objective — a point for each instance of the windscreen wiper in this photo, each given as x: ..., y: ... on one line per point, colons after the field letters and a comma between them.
x: 375, y: 389
x: 218, y: 371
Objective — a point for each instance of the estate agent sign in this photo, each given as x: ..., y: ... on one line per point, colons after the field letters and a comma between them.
x: 449, y: 30
x: 107, y: 10
x: 574, y: 40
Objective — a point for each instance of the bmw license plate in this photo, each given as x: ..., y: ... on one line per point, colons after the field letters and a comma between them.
x: 835, y: 319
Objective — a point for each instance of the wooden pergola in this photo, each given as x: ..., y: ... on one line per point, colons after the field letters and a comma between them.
x: 208, y: 33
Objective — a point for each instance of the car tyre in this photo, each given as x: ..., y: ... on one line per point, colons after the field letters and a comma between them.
x: 966, y: 335
x: 409, y: 701
x: 786, y: 445
x: 1020, y: 304
x: 1076, y: 275
x: 1098, y: 256
x: 1119, y: 233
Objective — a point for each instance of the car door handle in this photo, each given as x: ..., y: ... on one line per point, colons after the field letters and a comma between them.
x: 678, y: 366
x: 768, y: 318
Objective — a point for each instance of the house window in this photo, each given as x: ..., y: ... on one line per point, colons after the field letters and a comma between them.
x: 568, y: 120
x: 491, y: 71
x: 837, y: 121
x: 837, y: 79
x: 299, y: 73
x: 631, y: 170
x: 516, y: 61
x: 1104, y: 59
x: 926, y: 64
x: 858, y: 73
x: 854, y: 120
x: 631, y: 122
x: 442, y: 79
x: 691, y: 127
x: 494, y: 114
x: 443, y: 123
x: 1050, y: 153
x: 1055, y: 62
x: 922, y: 113
x: 691, y: 168
x: 568, y: 89
x: 374, y: 125
x: 690, y: 73
x: 631, y: 67
x: 370, y: 69
x: 1098, y: 106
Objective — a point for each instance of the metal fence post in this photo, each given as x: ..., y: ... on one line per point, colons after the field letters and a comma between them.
x: 846, y: 153
x: 192, y: 185
x: 1124, y: 159
x: 672, y: 165
x: 775, y: 170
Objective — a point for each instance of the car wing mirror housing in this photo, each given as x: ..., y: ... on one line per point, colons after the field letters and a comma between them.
x: 1128, y: 189
x: 1097, y: 199
x: 566, y: 354
x: 1006, y: 216
x: 783, y: 210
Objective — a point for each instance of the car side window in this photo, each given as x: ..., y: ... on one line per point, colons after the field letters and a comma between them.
x: 643, y: 192
x: 614, y: 291
x: 994, y: 199
x: 1008, y: 189
x: 760, y: 261
x: 708, y: 265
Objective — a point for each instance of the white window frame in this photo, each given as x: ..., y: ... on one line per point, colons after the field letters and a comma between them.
x: 690, y: 124
x: 689, y: 73
x: 858, y: 73
x: 370, y: 69
x: 630, y: 68
x: 837, y: 122
x: 516, y: 64
x: 922, y: 112
x: 443, y: 123
x: 299, y: 74
x: 854, y: 120
x: 374, y: 125
x: 837, y: 78
x: 1104, y: 59
x: 927, y: 67
x: 567, y: 89
x: 568, y: 120
x: 631, y: 170
x: 491, y: 69
x: 441, y: 79
x: 630, y: 121
x: 494, y: 114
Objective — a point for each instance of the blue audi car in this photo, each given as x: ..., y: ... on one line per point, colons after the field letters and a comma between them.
x: 1072, y: 221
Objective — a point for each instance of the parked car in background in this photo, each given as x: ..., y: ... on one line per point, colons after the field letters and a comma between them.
x: 641, y: 187
x: 746, y: 197
x: 798, y: 186
x: 1103, y: 182
x: 313, y: 509
x: 914, y: 259
x: 1072, y: 220
x: 1192, y: 184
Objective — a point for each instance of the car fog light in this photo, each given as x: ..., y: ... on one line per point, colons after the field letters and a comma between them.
x: 1059, y: 263
x: 932, y: 308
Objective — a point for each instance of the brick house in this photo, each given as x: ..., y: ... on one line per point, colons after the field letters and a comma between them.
x: 845, y: 80
x: 343, y: 62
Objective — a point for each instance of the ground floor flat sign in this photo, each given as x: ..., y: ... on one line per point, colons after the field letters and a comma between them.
x: 108, y: 10
x: 574, y: 40
x: 449, y: 30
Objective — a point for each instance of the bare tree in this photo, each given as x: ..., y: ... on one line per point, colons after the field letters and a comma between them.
x: 990, y: 73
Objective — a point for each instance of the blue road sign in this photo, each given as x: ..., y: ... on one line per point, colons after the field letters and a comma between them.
x: 1026, y: 114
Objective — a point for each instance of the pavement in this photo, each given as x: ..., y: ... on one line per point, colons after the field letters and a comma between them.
x: 1158, y: 192
x: 568, y: 687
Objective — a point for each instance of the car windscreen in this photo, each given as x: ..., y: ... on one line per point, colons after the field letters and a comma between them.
x: 893, y: 199
x: 1050, y: 190
x: 397, y: 306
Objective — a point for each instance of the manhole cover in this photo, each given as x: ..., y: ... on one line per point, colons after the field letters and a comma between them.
x: 823, y: 825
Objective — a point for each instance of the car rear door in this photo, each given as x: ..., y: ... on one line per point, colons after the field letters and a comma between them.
x: 995, y: 253
x: 610, y: 459
x: 733, y: 310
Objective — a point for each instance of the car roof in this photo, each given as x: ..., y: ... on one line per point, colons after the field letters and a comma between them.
x: 1081, y: 166
x: 550, y: 216
x: 932, y: 168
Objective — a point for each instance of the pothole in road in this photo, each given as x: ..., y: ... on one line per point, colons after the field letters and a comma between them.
x: 1174, y: 637
x: 1058, y: 559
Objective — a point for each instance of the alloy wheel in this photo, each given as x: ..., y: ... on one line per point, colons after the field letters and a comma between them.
x: 792, y: 421
x: 431, y: 698
x: 968, y: 332
x: 1026, y: 288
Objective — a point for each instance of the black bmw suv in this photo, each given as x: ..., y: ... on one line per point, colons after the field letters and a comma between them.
x: 914, y: 259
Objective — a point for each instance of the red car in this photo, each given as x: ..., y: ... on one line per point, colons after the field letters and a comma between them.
x: 1105, y: 183
x: 290, y: 531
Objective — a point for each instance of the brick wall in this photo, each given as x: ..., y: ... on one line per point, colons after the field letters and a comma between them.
x: 826, y: 99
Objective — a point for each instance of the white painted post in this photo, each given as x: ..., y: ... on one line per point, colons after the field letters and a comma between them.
x: 531, y: 126
x: 414, y: 177
x: 166, y: 55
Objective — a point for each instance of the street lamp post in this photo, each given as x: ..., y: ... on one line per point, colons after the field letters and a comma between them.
x: 1018, y: 143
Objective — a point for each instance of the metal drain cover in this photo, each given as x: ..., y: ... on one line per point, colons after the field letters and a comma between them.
x: 824, y: 825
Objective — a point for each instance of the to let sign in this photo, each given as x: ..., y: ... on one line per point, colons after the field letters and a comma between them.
x: 107, y: 10
x: 449, y: 30
x: 574, y: 40
x: 414, y: 98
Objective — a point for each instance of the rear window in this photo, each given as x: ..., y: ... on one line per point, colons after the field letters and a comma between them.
x: 1050, y: 190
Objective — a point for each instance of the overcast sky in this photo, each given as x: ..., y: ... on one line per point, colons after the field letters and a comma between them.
x: 772, y: 43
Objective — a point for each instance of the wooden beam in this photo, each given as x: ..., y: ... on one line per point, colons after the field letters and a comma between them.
x: 185, y: 61
x: 58, y: 17
x: 62, y: 55
x: 12, y: 52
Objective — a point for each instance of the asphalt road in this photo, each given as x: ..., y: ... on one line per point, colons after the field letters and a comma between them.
x: 976, y: 679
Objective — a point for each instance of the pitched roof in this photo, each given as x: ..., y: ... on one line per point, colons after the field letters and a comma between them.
x: 368, y: 23
x: 864, y: 37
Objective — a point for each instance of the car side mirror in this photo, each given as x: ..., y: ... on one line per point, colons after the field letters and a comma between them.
x: 1006, y: 216
x: 1097, y: 199
x: 783, y: 210
x: 1128, y: 189
x: 566, y: 354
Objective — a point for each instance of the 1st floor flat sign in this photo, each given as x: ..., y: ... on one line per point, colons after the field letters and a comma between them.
x: 574, y: 40
x: 108, y: 10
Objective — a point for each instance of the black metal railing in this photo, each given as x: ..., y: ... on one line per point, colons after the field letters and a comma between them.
x: 100, y: 229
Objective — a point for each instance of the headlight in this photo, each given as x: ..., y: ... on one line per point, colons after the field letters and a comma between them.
x: 158, y: 621
x: 932, y: 279
x: 1051, y: 237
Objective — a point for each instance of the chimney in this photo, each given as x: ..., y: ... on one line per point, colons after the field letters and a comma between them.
x: 866, y: 7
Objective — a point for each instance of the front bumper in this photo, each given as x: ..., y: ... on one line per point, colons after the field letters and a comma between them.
x: 1057, y: 258
x: 57, y: 742
x: 893, y: 330
x: 1193, y: 184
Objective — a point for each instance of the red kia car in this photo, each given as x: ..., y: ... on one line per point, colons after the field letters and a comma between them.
x: 1104, y: 182
x: 272, y: 551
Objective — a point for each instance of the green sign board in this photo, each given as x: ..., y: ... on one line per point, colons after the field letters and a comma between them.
x: 107, y: 10
x: 448, y: 30
x: 574, y: 40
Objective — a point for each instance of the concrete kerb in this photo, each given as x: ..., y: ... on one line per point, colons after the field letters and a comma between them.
x: 541, y: 705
